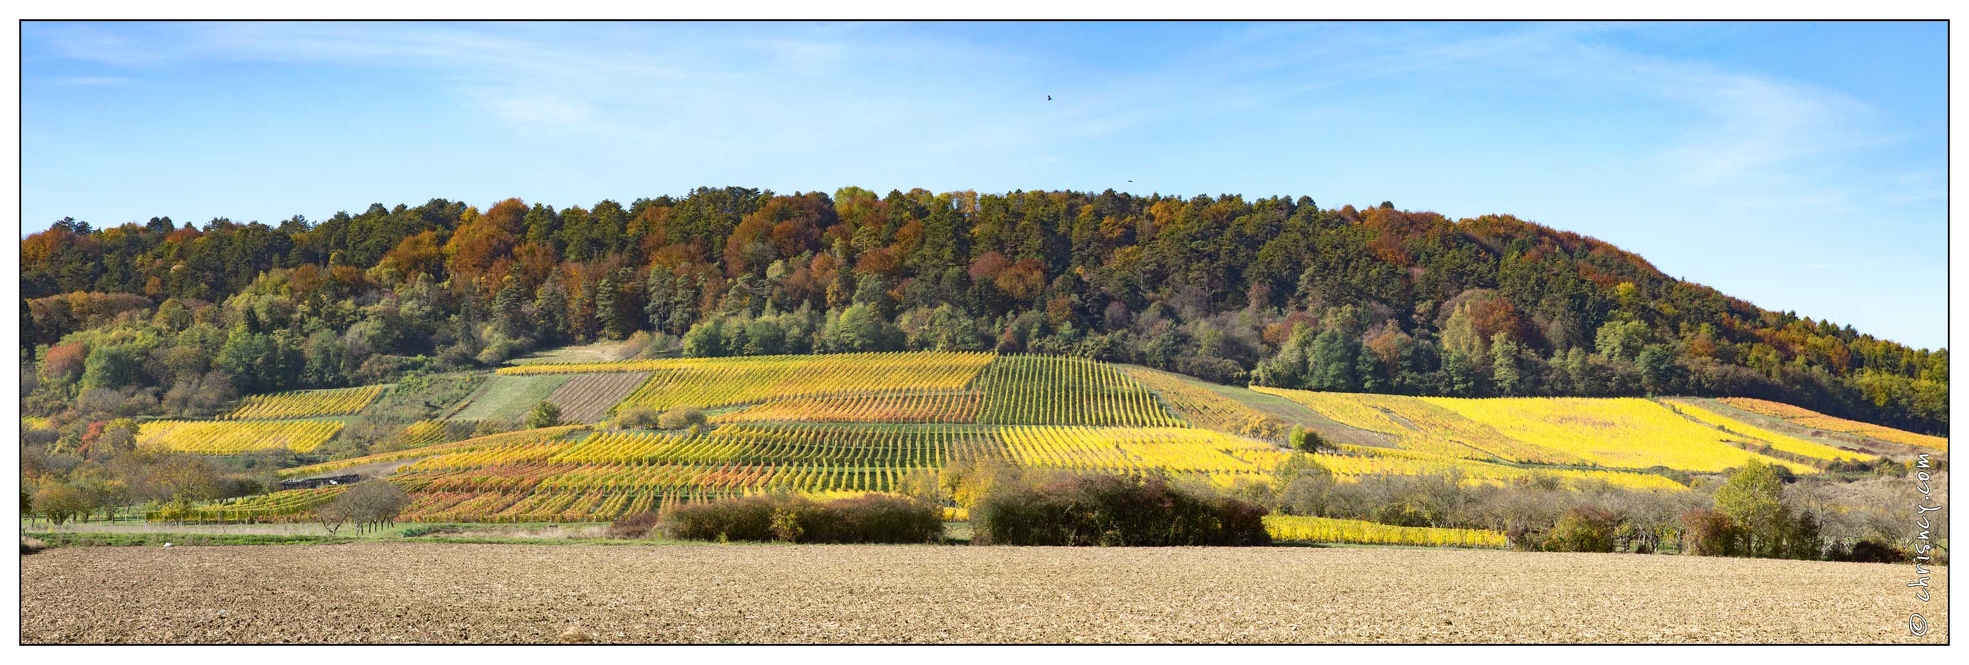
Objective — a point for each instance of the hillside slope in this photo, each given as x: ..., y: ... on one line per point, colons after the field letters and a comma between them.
x: 1275, y: 291
x: 864, y: 437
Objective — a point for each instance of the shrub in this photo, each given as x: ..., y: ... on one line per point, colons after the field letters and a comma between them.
x: 1305, y: 440
x: 544, y: 414
x: 1584, y: 529
x: 1710, y: 533
x: 638, y: 525
x: 747, y: 518
x: 637, y: 417
x: 682, y: 417
x: 1109, y: 510
x: 1869, y: 551
x: 873, y: 518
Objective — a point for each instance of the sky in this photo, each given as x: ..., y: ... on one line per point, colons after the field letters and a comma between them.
x: 1800, y: 166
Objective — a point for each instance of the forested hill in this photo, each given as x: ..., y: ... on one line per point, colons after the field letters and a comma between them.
x: 160, y: 318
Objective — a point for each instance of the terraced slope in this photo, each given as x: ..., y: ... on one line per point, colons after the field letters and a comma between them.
x: 588, y: 398
x: 1041, y: 390
x: 1749, y: 435
x: 305, y: 403
x: 1816, y: 421
x: 1419, y: 425
x: 881, y: 422
x: 221, y: 437
x: 718, y: 382
x: 1629, y: 432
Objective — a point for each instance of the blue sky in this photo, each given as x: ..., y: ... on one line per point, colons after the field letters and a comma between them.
x: 1800, y: 166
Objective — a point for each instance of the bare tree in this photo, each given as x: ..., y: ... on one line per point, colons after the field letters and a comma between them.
x: 371, y: 504
x: 331, y: 516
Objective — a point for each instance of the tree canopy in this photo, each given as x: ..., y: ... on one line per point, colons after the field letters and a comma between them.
x: 1276, y: 291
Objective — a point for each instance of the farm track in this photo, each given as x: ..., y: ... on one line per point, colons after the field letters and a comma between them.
x: 457, y: 593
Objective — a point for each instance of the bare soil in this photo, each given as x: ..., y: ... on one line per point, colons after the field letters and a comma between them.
x: 381, y: 592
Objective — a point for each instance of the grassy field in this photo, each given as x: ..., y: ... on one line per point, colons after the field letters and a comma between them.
x: 509, y: 397
x: 507, y: 593
x: 598, y: 352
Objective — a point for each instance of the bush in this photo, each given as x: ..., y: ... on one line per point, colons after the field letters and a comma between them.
x: 1711, y: 533
x: 1868, y: 551
x: 1305, y: 440
x: 1109, y: 510
x: 544, y: 414
x: 682, y: 417
x: 637, y: 417
x: 1584, y: 529
x: 638, y: 525
x: 873, y: 518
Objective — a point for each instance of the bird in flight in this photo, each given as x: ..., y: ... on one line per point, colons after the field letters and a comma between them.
x: 1049, y: 98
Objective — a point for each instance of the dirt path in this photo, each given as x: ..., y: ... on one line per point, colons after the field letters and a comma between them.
x: 408, y: 592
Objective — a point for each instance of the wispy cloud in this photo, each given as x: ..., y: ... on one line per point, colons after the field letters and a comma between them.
x: 89, y: 81
x: 1733, y: 126
x: 795, y: 82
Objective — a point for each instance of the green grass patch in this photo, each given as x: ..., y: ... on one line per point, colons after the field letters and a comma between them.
x: 158, y: 539
x: 509, y: 397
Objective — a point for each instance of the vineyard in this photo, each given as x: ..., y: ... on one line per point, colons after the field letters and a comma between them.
x: 1207, y: 409
x: 905, y: 406
x: 282, y: 506
x: 1357, y: 461
x: 509, y: 398
x: 545, y: 475
x: 879, y: 422
x: 305, y: 403
x: 1288, y: 528
x: 717, y: 382
x: 1053, y: 390
x: 422, y: 433
x: 1820, y: 421
x: 467, y: 445
x: 1138, y: 449
x: 1625, y: 432
x: 588, y: 398
x: 792, y: 445
x: 1419, y: 425
x: 1755, y: 435
x: 232, y: 437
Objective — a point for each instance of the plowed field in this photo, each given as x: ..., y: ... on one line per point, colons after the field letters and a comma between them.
x: 418, y: 592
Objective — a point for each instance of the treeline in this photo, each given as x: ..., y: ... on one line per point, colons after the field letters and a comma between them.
x: 1274, y: 291
x: 1756, y: 510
